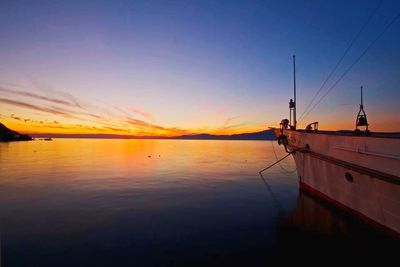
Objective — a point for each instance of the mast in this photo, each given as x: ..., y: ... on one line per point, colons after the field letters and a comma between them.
x: 294, y: 91
x: 292, y: 104
x: 361, y: 97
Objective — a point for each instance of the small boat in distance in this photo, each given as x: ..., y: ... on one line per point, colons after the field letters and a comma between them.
x: 357, y: 170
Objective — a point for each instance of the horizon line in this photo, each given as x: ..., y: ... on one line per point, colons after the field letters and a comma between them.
x: 121, y: 136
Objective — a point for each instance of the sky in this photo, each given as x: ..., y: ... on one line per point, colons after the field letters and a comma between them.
x: 167, y: 68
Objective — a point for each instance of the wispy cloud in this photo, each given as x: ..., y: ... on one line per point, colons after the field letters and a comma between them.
x: 151, y: 126
x: 65, y: 105
x: 50, y: 91
x: 230, y: 119
x: 234, y: 126
x: 15, y: 117
x: 39, y: 97
x: 115, y: 129
x: 122, y: 111
x: 136, y: 122
x: 54, y: 111
x: 143, y: 113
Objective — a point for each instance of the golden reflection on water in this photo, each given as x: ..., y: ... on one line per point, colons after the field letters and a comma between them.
x: 80, y: 160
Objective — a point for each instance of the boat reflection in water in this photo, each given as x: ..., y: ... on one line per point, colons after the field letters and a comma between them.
x: 315, y: 229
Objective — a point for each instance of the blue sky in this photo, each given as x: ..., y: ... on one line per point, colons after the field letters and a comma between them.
x: 194, y: 66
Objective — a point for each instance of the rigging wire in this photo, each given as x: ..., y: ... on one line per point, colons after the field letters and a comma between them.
x: 341, y: 59
x: 353, y: 64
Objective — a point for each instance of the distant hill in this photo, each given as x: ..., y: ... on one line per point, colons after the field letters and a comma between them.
x: 263, y: 135
x: 7, y: 135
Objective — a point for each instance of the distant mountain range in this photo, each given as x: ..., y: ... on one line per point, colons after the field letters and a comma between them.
x: 9, y: 135
x: 263, y: 135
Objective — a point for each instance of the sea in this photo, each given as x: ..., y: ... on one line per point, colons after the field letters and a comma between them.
x: 119, y: 202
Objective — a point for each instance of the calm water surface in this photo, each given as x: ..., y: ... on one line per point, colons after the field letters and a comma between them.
x: 92, y: 202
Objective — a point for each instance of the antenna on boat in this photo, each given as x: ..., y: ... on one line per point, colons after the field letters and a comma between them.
x: 292, y: 104
x: 361, y: 116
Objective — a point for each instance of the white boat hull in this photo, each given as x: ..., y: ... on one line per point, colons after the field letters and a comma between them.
x: 358, y: 173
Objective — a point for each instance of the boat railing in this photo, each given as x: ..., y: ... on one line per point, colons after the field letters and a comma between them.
x: 312, y: 126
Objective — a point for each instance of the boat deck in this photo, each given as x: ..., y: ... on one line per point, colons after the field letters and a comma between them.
x: 351, y: 133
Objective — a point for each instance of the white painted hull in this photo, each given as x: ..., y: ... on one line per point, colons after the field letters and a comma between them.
x: 359, y: 173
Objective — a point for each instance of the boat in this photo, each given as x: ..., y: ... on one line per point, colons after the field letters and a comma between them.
x: 356, y: 170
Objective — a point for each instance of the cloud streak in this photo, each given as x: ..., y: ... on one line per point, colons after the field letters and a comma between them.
x: 15, y: 117
x: 49, y: 90
x: 173, y: 130
x: 136, y: 122
x: 125, y: 123
x: 38, y: 97
x: 230, y: 119
x: 56, y: 106
x: 54, y: 111
x: 142, y: 113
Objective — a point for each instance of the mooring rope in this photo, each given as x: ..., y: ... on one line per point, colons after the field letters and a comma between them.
x: 273, y: 164
x: 283, y: 168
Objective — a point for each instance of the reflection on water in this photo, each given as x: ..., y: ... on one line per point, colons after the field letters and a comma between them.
x: 325, y: 233
x: 76, y: 202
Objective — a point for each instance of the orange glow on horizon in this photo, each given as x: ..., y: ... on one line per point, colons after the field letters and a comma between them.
x: 93, y: 129
x: 61, y: 113
x: 47, y: 128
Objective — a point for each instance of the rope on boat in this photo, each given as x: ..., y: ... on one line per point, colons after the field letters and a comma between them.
x: 280, y: 165
x: 282, y: 139
x: 273, y: 164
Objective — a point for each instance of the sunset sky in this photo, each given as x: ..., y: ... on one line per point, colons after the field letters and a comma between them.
x: 182, y: 67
